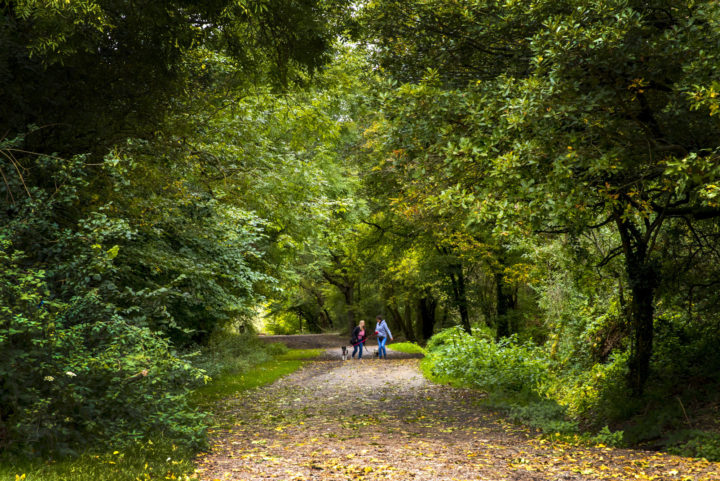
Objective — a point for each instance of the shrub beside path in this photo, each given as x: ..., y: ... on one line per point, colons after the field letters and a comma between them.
x: 381, y: 419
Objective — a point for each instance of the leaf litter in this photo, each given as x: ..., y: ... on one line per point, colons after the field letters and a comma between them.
x: 381, y: 419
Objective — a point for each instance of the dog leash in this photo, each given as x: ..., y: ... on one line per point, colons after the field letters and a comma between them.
x: 363, y: 341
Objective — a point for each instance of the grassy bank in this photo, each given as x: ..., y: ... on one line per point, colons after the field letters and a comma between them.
x: 256, y: 376
x: 407, y: 347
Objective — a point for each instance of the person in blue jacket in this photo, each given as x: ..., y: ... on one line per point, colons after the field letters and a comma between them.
x: 383, y: 332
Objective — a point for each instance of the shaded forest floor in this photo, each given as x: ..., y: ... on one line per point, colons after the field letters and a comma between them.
x: 381, y: 419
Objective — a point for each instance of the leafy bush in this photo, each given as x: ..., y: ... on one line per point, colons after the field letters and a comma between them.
x: 697, y: 444
x: 534, y: 390
x: 546, y: 415
x: 596, y: 395
x: 76, y: 372
x: 505, y: 366
x: 77, y: 365
x: 609, y: 438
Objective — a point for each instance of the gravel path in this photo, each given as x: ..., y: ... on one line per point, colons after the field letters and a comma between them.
x: 381, y: 419
x: 332, y: 343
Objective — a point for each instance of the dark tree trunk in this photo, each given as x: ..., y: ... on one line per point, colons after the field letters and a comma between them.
x: 457, y: 279
x: 400, y: 321
x: 642, y: 277
x: 346, y: 286
x: 642, y: 284
x: 505, y: 301
x: 410, y: 325
x: 324, y: 321
x: 426, y: 309
x: 348, y: 293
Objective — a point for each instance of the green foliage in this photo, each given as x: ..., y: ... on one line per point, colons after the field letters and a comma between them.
x: 95, y: 72
x: 532, y: 388
x: 407, y: 347
x: 503, y: 367
x: 545, y: 415
x: 82, y: 382
x: 597, y: 395
x: 114, y: 259
x: 555, y: 191
x: 90, y: 374
x: 697, y: 444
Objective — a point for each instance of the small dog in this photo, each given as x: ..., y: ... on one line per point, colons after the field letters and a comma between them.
x: 377, y: 353
x: 344, y: 353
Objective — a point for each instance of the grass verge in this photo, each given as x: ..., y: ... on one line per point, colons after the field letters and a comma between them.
x: 159, y: 460
x: 264, y: 373
x: 407, y: 347
x: 143, y: 462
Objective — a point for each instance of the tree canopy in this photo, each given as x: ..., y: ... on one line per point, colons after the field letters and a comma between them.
x: 544, y: 175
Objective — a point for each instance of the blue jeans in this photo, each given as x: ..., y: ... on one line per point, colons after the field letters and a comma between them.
x: 382, y: 352
x: 359, y: 345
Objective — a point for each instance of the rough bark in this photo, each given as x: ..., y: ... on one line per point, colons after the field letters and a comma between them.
x: 642, y: 277
x: 427, y: 306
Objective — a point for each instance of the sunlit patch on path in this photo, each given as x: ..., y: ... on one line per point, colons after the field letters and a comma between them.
x: 375, y: 419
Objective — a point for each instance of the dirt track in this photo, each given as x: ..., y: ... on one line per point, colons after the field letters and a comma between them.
x: 332, y: 344
x: 381, y: 419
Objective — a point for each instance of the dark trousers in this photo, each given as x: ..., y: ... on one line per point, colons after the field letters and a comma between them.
x: 359, y: 345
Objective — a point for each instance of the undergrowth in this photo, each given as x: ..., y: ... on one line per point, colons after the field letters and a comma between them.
x: 517, y: 379
x: 578, y: 405
x: 235, y: 363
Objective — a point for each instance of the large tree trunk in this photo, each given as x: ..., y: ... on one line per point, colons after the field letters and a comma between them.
x: 348, y: 293
x: 505, y: 301
x: 642, y: 277
x: 346, y: 285
x: 457, y: 279
x: 426, y: 310
x: 401, y: 322
x: 642, y: 284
